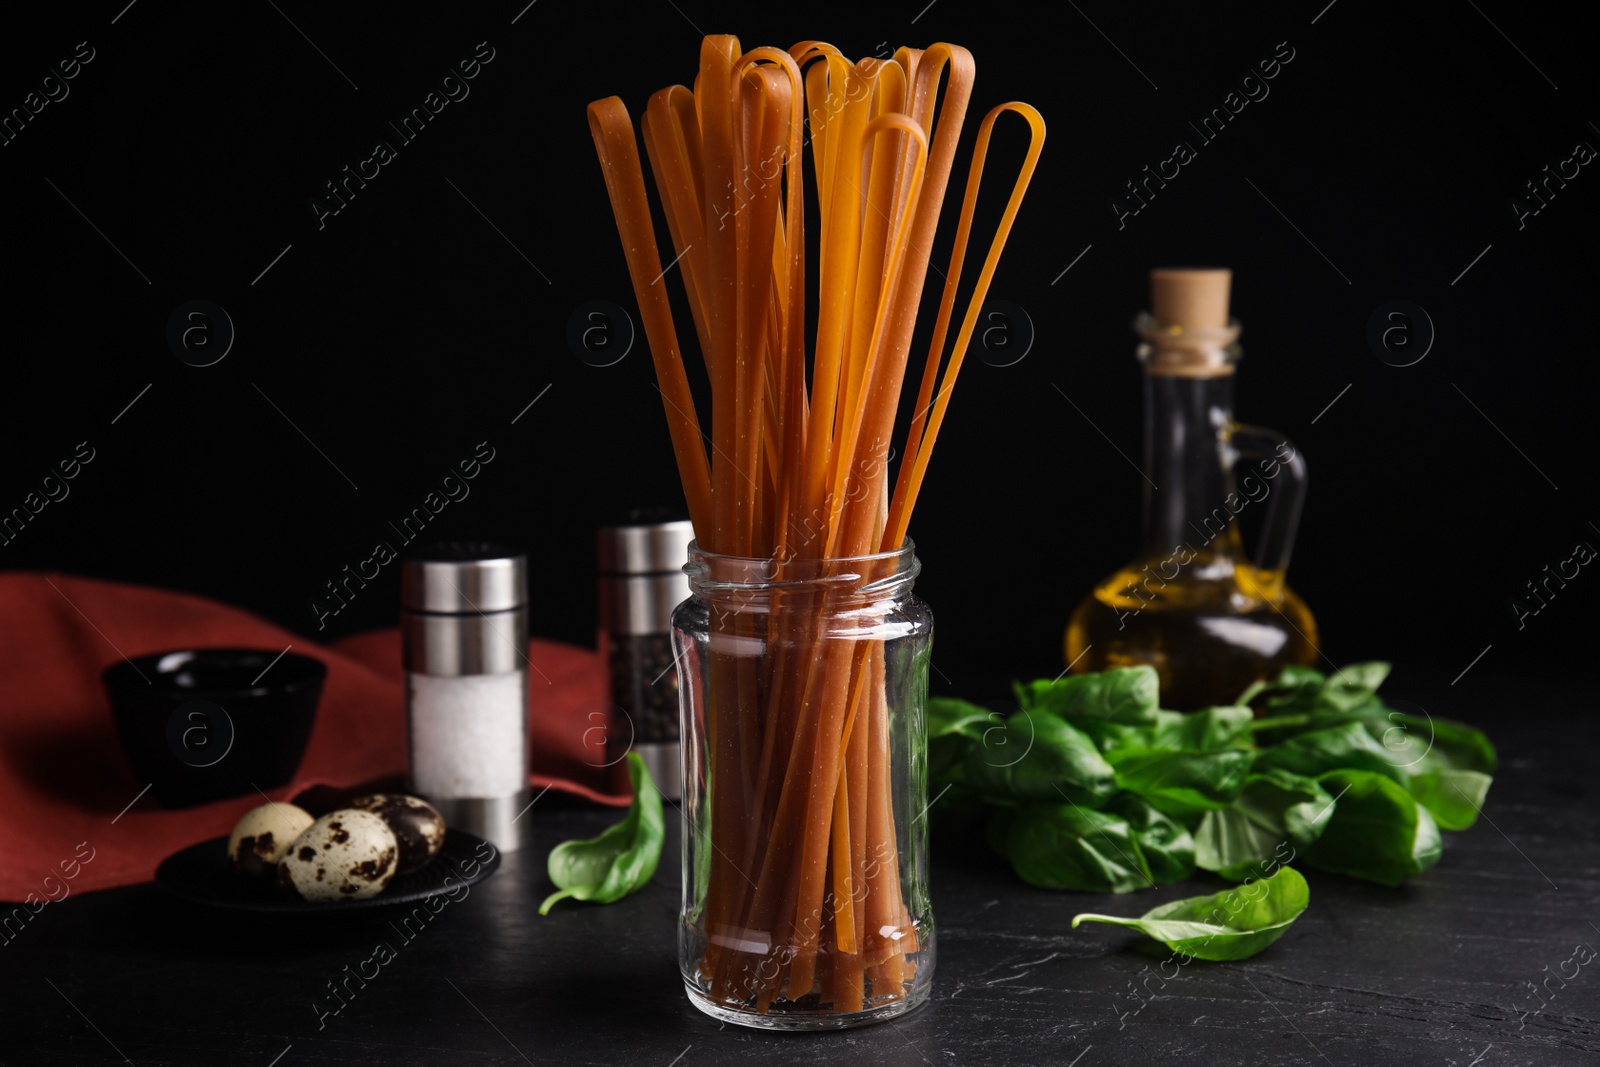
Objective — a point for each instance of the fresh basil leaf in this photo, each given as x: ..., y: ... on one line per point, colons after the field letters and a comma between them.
x: 701, y: 828
x: 1377, y: 830
x: 1295, y: 676
x: 945, y: 758
x: 1413, y: 744
x: 1165, y: 843
x: 947, y: 715
x: 1301, y: 690
x: 952, y: 726
x: 1232, y: 925
x: 1421, y: 743
x: 1122, y: 694
x: 1182, y: 782
x: 1447, y: 744
x: 1037, y: 756
x: 1406, y: 740
x: 1463, y: 747
x: 1228, y: 843
x: 622, y: 859
x: 1293, y: 686
x: 1299, y: 803
x: 1206, y: 730
x: 1065, y: 846
x: 1454, y: 798
x: 1331, y: 748
x: 1352, y: 685
x: 1108, y: 736
x: 1275, y: 811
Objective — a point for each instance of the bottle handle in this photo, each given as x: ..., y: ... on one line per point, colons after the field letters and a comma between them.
x: 1281, y: 471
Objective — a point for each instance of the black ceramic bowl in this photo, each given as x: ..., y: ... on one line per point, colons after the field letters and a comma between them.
x: 211, y: 723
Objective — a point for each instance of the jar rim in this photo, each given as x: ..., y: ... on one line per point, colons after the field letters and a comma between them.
x: 870, y: 576
x: 906, y: 551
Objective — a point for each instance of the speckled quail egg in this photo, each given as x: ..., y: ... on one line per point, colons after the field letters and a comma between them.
x: 417, y: 826
x: 345, y: 855
x: 262, y: 837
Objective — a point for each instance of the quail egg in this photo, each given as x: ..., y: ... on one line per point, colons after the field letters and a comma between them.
x: 345, y: 855
x: 262, y: 837
x: 417, y: 827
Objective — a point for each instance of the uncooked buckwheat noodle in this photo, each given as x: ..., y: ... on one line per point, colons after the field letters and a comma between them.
x: 804, y: 894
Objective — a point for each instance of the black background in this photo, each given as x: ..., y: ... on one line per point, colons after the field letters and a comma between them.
x: 415, y: 324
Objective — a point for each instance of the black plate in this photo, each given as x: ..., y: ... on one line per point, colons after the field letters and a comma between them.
x: 202, y: 874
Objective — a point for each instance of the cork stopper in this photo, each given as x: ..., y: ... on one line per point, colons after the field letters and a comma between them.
x: 1190, y: 298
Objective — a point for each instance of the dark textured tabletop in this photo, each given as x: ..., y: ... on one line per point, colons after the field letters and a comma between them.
x: 1475, y: 963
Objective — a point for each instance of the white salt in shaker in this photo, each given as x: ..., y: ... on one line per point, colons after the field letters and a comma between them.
x: 464, y: 627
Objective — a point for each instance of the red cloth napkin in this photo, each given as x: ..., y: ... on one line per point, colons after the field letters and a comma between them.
x: 64, y: 782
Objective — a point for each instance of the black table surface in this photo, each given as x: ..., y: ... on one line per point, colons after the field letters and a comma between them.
x: 1470, y: 964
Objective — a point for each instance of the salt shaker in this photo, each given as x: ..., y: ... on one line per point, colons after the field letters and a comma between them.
x: 641, y: 581
x: 464, y: 626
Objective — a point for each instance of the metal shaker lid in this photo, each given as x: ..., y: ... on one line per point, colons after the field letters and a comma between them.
x: 464, y: 578
x: 645, y: 548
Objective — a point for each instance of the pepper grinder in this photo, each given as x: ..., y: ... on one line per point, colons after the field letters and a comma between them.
x: 641, y: 582
x: 464, y: 628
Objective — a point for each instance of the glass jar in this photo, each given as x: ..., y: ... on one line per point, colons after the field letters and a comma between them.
x: 805, y: 862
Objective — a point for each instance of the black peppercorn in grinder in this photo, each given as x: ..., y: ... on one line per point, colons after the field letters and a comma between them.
x: 641, y: 582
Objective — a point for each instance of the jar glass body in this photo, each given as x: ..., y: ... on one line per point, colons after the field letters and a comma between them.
x: 803, y: 717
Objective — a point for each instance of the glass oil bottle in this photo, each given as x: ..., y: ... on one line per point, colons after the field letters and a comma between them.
x: 1190, y: 604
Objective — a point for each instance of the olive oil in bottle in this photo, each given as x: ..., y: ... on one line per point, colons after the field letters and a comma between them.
x: 1191, y: 604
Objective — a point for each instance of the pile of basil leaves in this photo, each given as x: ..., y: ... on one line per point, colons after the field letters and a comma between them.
x: 1092, y: 786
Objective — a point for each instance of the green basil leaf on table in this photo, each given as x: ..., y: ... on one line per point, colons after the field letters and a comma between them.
x: 1450, y: 745
x: 1181, y: 783
x: 1304, y: 689
x: 1231, y: 925
x: 1165, y: 843
x: 701, y: 828
x: 1346, y: 746
x: 1279, y: 726
x: 1229, y: 844
x: 952, y: 726
x: 1109, y: 736
x: 1377, y: 830
x: 1122, y: 694
x: 1331, y: 774
x: 1066, y: 846
x: 1406, y: 740
x: 1352, y: 685
x: 1454, y: 798
x: 1294, y: 686
x: 1037, y: 756
x: 1414, y: 744
x: 1206, y: 730
x: 1275, y: 812
x: 949, y: 716
x: 622, y: 859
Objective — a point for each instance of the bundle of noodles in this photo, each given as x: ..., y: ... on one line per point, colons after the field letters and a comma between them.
x: 801, y: 821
